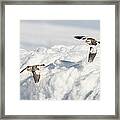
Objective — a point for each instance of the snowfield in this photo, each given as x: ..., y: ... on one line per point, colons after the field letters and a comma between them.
x: 66, y: 76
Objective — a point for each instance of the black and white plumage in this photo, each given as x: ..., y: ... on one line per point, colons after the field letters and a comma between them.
x: 93, y: 43
x: 88, y: 40
x: 35, y: 69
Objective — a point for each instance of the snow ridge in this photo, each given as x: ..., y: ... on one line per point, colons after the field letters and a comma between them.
x: 66, y: 76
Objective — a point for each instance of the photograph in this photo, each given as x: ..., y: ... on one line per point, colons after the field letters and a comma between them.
x: 59, y: 60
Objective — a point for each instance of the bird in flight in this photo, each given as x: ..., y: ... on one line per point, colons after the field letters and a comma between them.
x: 92, y: 42
x: 35, y: 69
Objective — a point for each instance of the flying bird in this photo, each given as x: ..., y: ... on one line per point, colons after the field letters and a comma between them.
x: 92, y: 42
x: 88, y: 40
x: 35, y: 69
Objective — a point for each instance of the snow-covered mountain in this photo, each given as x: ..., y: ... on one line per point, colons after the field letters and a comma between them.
x: 66, y: 76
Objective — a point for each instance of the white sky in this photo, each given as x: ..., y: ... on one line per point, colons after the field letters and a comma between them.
x: 47, y: 33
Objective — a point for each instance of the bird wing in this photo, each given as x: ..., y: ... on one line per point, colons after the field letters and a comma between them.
x: 23, y: 70
x: 80, y: 37
x: 28, y: 68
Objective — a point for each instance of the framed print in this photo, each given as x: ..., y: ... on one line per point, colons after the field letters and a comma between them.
x: 60, y: 60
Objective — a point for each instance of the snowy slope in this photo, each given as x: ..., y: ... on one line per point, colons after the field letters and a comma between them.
x: 66, y: 76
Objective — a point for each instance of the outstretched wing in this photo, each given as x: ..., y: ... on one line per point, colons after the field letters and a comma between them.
x: 80, y: 37
x: 28, y: 68
x: 23, y: 70
x: 93, y: 40
x: 37, y: 66
x: 41, y: 65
